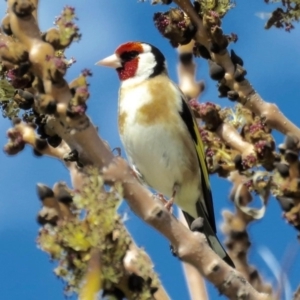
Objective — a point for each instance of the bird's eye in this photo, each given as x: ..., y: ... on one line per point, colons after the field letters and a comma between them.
x: 129, y: 55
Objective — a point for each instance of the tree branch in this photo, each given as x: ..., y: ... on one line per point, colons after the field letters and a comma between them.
x: 191, y: 247
x: 209, y: 30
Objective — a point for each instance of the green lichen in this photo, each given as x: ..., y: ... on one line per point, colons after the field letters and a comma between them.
x: 7, y: 91
x: 94, y: 225
x: 8, y: 106
x: 221, y: 7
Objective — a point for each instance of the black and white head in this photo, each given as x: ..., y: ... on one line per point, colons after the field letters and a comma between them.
x: 136, y: 60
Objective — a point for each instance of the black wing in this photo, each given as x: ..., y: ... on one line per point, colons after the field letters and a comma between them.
x: 190, y: 122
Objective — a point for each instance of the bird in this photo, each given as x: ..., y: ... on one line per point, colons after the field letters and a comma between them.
x: 160, y: 135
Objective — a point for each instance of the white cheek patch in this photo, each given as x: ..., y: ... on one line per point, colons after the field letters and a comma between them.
x: 146, y: 65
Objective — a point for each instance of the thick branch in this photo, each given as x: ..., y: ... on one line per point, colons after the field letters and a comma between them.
x: 233, y: 139
x: 190, y: 247
x: 271, y: 115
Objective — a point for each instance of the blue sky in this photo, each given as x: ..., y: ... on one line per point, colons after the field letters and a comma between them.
x: 272, y: 62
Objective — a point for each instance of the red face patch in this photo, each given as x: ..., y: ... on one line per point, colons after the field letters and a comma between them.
x: 128, y: 70
x: 131, y: 46
x: 130, y: 65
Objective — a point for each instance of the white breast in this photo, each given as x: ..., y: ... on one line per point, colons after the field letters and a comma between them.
x: 157, y: 152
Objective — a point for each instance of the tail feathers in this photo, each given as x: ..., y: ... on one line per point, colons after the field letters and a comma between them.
x: 211, y: 237
x: 215, y: 244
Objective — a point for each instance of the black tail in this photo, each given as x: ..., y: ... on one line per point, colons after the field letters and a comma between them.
x: 210, y: 234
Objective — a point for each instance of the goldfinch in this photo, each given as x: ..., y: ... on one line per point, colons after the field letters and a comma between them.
x: 161, y: 136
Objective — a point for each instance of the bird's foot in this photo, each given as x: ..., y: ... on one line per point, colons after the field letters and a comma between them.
x: 161, y: 198
x: 167, y: 203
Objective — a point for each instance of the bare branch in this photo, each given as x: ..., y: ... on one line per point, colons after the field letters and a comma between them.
x: 186, y: 71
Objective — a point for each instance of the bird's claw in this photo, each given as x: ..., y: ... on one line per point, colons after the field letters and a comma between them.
x: 168, y: 204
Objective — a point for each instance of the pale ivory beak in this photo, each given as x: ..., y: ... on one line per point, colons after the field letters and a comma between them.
x: 112, y: 61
